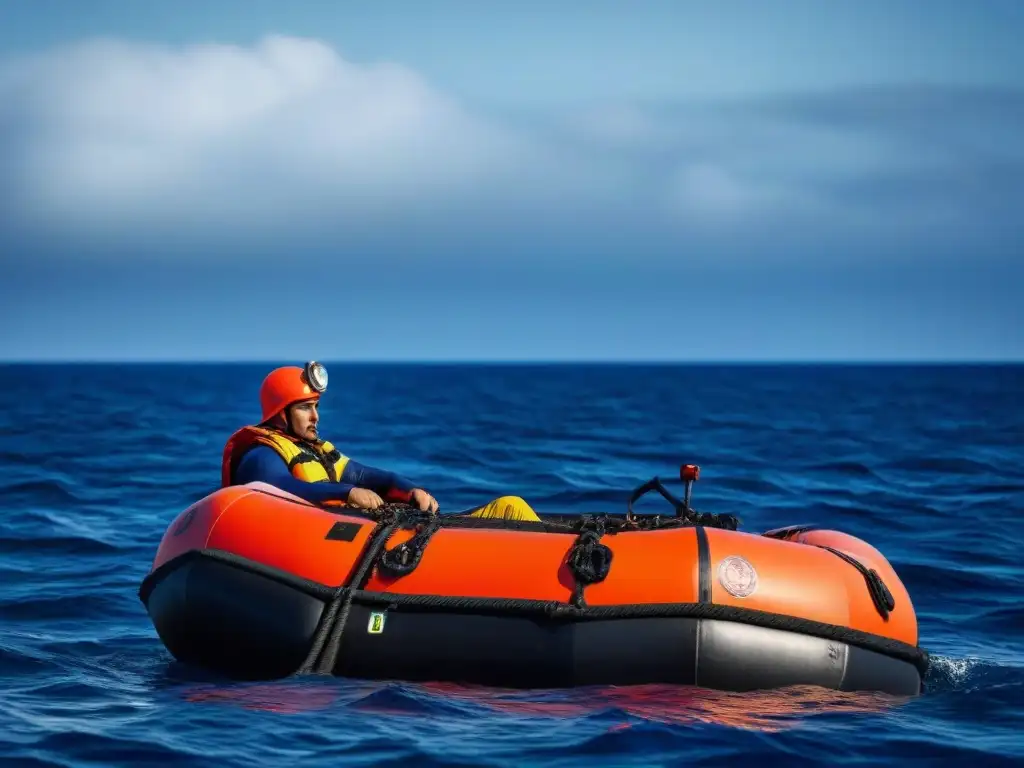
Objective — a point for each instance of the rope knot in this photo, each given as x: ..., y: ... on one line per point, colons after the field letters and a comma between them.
x: 589, y: 560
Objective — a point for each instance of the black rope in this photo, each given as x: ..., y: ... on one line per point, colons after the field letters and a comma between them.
x: 589, y: 559
x: 880, y: 594
x: 398, y: 561
x: 324, y: 649
x: 403, y: 559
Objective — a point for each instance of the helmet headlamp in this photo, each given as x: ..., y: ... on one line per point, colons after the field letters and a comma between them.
x: 316, y: 376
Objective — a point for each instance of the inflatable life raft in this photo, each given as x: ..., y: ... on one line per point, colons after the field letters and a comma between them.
x: 254, y: 583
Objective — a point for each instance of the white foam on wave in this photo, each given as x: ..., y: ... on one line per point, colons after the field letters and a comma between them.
x: 957, y: 671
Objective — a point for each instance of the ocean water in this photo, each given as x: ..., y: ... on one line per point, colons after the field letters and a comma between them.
x: 924, y: 462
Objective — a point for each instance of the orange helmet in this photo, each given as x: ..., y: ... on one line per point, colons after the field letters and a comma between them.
x: 291, y: 384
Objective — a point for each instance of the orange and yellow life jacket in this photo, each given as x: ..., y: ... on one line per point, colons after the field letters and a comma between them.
x: 314, y: 463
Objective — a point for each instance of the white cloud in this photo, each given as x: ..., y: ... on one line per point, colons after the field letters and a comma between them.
x: 123, y: 133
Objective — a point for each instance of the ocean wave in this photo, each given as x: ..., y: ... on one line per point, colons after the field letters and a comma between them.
x: 46, y: 493
x: 1001, y: 619
x: 925, y: 578
x: 845, y: 468
x: 80, y: 745
x: 40, y: 608
x: 944, y: 465
x: 758, y: 486
x: 57, y: 545
x: 19, y: 663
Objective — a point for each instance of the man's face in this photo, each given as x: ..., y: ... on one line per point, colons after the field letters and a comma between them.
x: 303, y: 418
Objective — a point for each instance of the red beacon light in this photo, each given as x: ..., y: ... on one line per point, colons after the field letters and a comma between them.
x: 688, y: 473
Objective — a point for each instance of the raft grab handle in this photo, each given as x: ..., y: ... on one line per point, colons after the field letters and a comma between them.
x: 688, y: 473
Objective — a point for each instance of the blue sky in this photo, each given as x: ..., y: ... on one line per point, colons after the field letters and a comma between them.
x: 456, y: 180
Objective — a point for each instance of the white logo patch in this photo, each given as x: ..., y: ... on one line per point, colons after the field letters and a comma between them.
x: 737, y: 576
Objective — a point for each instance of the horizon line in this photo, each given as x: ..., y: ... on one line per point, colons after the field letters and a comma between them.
x: 525, y: 361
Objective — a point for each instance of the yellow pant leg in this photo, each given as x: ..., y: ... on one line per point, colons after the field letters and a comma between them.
x: 507, y: 508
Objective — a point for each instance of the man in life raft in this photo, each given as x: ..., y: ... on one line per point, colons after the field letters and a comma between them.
x: 285, y: 450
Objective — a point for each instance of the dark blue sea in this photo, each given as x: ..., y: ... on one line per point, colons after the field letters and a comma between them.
x: 924, y: 462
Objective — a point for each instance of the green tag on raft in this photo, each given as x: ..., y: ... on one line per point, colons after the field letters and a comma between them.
x: 376, y: 625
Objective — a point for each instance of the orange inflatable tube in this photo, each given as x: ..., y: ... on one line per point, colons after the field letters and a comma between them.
x: 256, y: 583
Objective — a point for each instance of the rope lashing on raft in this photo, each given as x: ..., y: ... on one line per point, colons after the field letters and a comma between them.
x: 323, y: 653
x: 404, y: 558
x: 589, y: 560
x: 880, y: 594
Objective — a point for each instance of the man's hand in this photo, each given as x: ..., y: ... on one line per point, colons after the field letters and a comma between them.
x: 364, y: 498
x: 424, y: 501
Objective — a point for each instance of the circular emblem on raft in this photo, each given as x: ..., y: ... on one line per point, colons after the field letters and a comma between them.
x: 737, y: 576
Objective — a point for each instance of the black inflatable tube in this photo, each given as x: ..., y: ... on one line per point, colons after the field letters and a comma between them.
x: 248, y: 621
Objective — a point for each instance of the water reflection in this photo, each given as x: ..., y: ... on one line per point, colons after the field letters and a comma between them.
x: 765, y: 711
x: 684, y: 705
